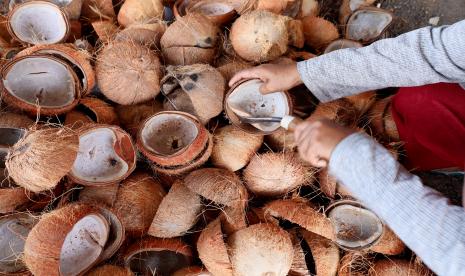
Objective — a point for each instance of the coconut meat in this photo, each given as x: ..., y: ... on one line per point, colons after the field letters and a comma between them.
x: 83, y: 244
x: 39, y: 23
x: 163, y: 262
x: 247, y: 101
x: 355, y: 227
x: 97, y: 160
x: 366, y: 25
x: 168, y: 134
x: 212, y: 9
x: 40, y: 80
x: 13, y: 233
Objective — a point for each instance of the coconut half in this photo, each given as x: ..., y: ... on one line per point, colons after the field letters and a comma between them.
x: 13, y: 232
x: 349, y: 6
x: 106, y: 155
x: 368, y: 24
x: 145, y: 34
x: 140, y: 11
x: 325, y: 253
x: 319, y: 32
x: 38, y: 22
x: 219, y: 12
x: 342, y: 44
x: 245, y: 100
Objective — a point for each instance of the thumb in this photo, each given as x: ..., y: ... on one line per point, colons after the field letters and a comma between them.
x: 264, y: 89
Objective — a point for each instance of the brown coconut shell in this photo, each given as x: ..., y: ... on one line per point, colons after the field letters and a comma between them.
x: 105, y: 30
x: 113, y: 270
x: 213, y: 251
x: 342, y: 44
x: 218, y: 12
x: 281, y: 141
x: 381, y: 121
x: 276, y: 174
x: 140, y: 11
x: 43, y: 247
x: 341, y: 111
x: 349, y: 6
x: 14, y: 120
x: 328, y: 184
x: 102, y: 194
x: 229, y: 69
x: 233, y: 148
x: 42, y: 158
x: 389, y: 243
x: 128, y: 73
x: 117, y: 233
x: 138, y: 200
x: 192, y: 271
x: 104, y: 113
x: 98, y: 10
x: 165, y: 256
x: 325, y: 253
x: 102, y: 164
x: 397, y: 267
x: 299, y: 264
x: 177, y: 213
x: 75, y: 120
x: 131, y: 116
x: 319, y: 32
x: 144, y: 34
x: 261, y: 249
x: 368, y: 24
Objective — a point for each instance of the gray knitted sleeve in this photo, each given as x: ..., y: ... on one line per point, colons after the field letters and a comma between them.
x: 424, y: 56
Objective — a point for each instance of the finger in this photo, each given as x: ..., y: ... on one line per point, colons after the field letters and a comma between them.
x: 320, y: 163
x: 253, y: 73
x: 299, y: 130
x: 264, y: 89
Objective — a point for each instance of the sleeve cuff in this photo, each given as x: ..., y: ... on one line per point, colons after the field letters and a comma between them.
x: 311, y: 81
x: 338, y: 159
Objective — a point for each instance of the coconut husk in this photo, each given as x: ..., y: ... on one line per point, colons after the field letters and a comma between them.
x: 281, y: 141
x: 105, y: 30
x: 389, y: 243
x: 144, y: 34
x: 299, y: 264
x: 341, y: 111
x: 191, y: 88
x: 101, y: 194
x: 309, y: 8
x: 140, y: 12
x: 106, y: 155
x: 381, y: 121
x: 128, y: 73
x: 328, y: 184
x: 363, y: 101
x: 76, y: 120
x: 230, y: 68
x: 325, y: 253
x: 213, y: 251
x: 165, y: 256
x: 342, y: 44
x: 368, y: 24
x: 98, y: 10
x: 12, y: 198
x: 177, y: 213
x: 113, y: 270
x: 233, y: 148
x: 296, y: 33
x: 261, y: 249
x: 42, y: 158
x: 349, y: 6
x: 188, y: 55
x: 276, y: 174
x: 396, y: 267
x: 289, y: 8
x: 103, y: 112
x: 131, y: 116
x: 355, y: 264
x: 235, y: 218
x: 300, y: 55
x: 51, y: 247
x: 192, y: 271
x: 14, y: 120
x: 137, y: 201
x: 319, y: 32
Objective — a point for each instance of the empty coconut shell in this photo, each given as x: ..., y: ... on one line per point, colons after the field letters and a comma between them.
x: 113, y: 270
x: 218, y: 12
x: 325, y: 253
x: 349, y: 6
x: 98, y: 10
x: 128, y: 73
x: 163, y: 256
x: 140, y: 11
x: 319, y: 32
x: 144, y: 34
x: 192, y: 271
x: 106, y: 155
x: 368, y: 24
x: 342, y: 44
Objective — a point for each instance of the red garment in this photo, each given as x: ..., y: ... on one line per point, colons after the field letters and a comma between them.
x: 431, y: 122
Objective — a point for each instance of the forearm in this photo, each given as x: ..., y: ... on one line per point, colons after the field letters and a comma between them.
x: 421, y: 217
x: 424, y: 56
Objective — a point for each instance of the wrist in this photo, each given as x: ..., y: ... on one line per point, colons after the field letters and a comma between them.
x: 295, y: 75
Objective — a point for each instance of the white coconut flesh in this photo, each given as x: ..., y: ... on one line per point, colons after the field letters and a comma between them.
x: 39, y: 23
x: 43, y: 81
x: 247, y: 101
x: 97, y: 160
x: 167, y: 134
x: 83, y: 244
x: 366, y: 25
x: 163, y: 262
x: 355, y: 227
x: 212, y: 9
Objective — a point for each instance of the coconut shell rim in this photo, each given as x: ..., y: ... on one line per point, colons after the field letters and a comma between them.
x: 374, y: 9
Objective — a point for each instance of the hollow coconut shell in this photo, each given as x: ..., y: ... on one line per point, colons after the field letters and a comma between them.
x: 393, y: 267
x: 52, y: 246
x: 368, y: 24
x: 14, y: 120
x: 106, y: 155
x: 275, y: 174
x: 105, y: 30
x: 325, y: 253
x: 349, y: 6
x: 140, y: 11
x: 319, y: 32
x: 42, y: 158
x: 131, y: 116
x: 113, y: 270
x: 137, y: 75
x: 98, y: 9
x: 192, y: 271
x: 138, y: 199
x: 144, y: 34
x: 261, y: 249
x: 218, y: 12
x: 165, y: 256
x: 177, y: 213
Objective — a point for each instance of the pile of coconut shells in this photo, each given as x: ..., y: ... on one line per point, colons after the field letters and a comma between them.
x: 122, y: 150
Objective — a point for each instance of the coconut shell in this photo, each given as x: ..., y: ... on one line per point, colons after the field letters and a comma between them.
x: 319, y: 32
x: 276, y: 174
x: 105, y: 30
x: 341, y: 111
x: 233, y: 148
x: 131, y: 116
x: 165, y: 256
x: 213, y: 251
x: 98, y: 10
x: 128, y: 73
x: 325, y: 253
x: 355, y: 264
x: 140, y: 11
x: 144, y: 34
x: 137, y: 201
x: 218, y: 12
x: 389, y: 243
x: 393, y: 267
x: 101, y: 194
x: 113, y: 270
x: 192, y: 271
x: 103, y: 112
x: 328, y: 184
x: 14, y: 120
x: 42, y: 158
x: 230, y: 68
x: 261, y: 249
x: 177, y: 213
x: 349, y: 6
x: 368, y: 24
x: 342, y: 44
x: 117, y: 232
x: 299, y: 264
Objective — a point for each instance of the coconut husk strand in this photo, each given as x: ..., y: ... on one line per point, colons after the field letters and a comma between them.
x: 98, y: 10
x: 163, y: 256
x: 281, y: 141
x: 140, y: 11
x: 138, y: 200
x: 261, y: 249
x: 113, y: 270
x: 299, y: 264
x: 42, y: 158
x: 213, y: 251
x: 389, y: 243
x: 38, y: 22
x: 233, y: 148
x: 355, y: 264
x: 52, y: 246
x: 131, y: 116
x: 128, y: 73
x: 276, y: 174
x: 102, y: 194
x: 191, y: 88
x: 319, y: 32
x: 40, y: 84
x: 349, y: 6
x: 192, y: 271
x: 105, y: 30
x: 397, y: 267
x: 325, y: 253
x: 342, y: 44
x: 144, y: 34
x: 341, y: 111
x: 14, y: 120
x: 368, y: 24
x: 106, y: 155
x: 381, y: 121
x: 177, y: 213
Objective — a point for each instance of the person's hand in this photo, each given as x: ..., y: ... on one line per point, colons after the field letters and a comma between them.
x: 275, y: 77
x: 316, y: 140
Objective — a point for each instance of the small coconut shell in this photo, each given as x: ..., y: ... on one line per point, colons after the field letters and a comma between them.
x: 368, y: 24
x: 319, y: 32
x: 165, y: 256
x: 144, y: 34
x: 140, y: 11
x: 14, y: 120
x: 261, y: 249
x: 98, y: 10
x: 349, y: 6
x: 128, y: 73
x: 342, y: 44
x: 177, y: 213
x: 138, y: 200
x: 325, y: 253
x: 113, y: 270
x: 131, y: 116
x: 192, y: 271
x: 42, y: 158
x: 389, y: 243
x: 328, y: 184
x: 393, y: 267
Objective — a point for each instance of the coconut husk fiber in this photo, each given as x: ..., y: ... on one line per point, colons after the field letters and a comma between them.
x: 325, y: 253
x: 112, y: 270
